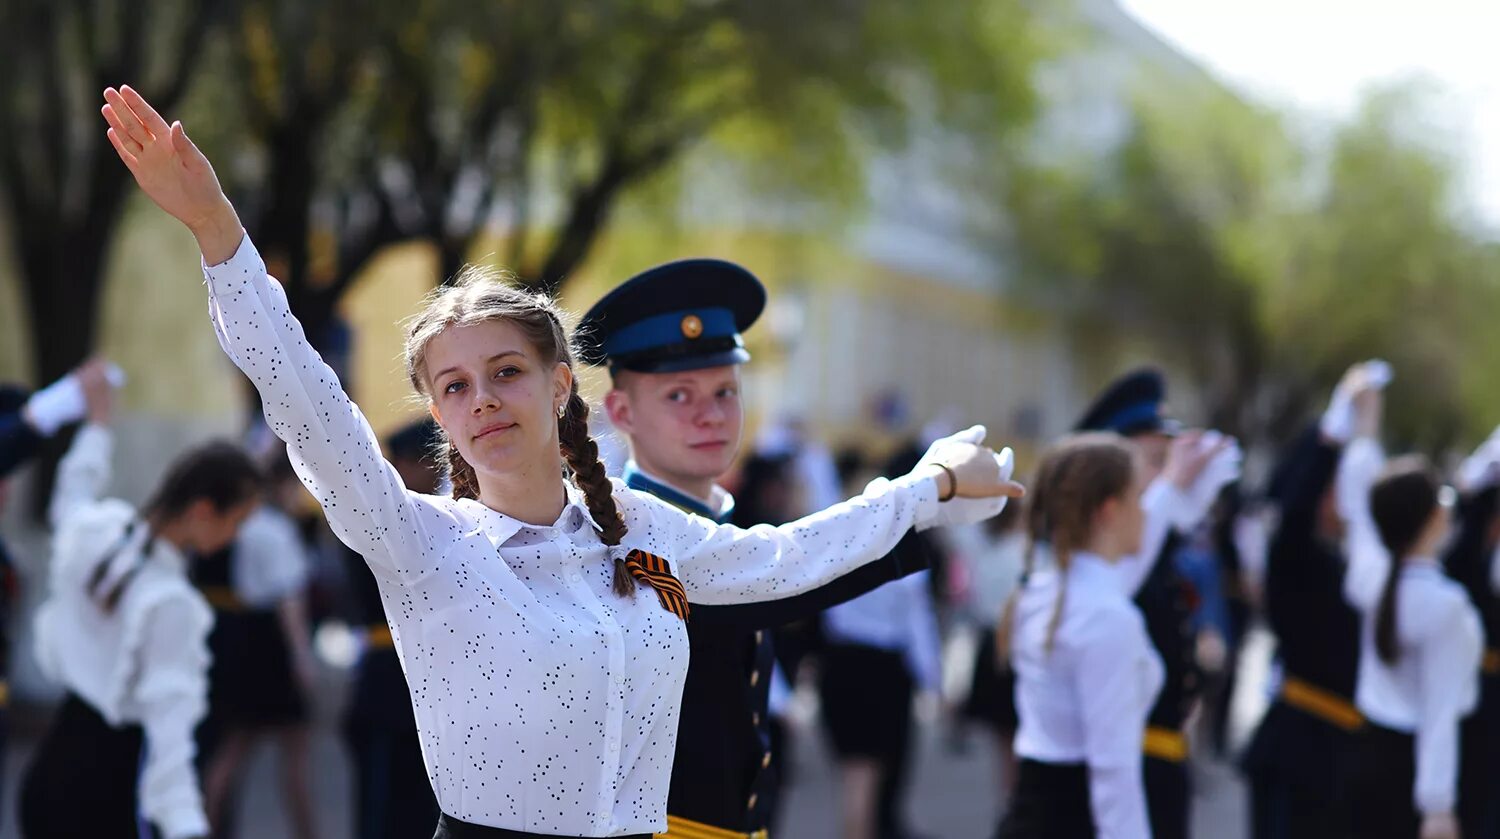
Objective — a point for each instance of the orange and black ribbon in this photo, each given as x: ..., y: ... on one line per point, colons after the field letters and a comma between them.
x: 656, y: 573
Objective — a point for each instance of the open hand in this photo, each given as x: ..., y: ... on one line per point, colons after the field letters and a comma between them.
x: 973, y: 465
x: 172, y: 171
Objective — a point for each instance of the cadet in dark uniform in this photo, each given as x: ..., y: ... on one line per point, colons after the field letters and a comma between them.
x: 671, y: 339
x: 1297, y: 758
x: 392, y: 795
x: 1132, y: 407
x: 1471, y: 561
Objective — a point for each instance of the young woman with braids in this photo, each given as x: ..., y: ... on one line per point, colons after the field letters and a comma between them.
x: 546, y: 686
x: 126, y: 635
x: 1086, y: 672
x: 1420, y: 645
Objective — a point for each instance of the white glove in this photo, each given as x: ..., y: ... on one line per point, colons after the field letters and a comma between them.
x: 1338, y: 421
x: 62, y: 402
x: 968, y: 510
x: 1220, y: 472
x: 1482, y: 468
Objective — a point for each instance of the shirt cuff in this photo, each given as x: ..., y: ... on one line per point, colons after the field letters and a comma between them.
x: 184, y: 822
x: 245, y: 262
x: 924, y: 490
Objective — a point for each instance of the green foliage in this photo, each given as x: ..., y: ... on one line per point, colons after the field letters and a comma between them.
x: 1264, y: 265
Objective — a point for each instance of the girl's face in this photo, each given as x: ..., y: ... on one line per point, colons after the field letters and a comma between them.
x: 497, y: 397
x: 208, y: 529
x: 1121, y: 519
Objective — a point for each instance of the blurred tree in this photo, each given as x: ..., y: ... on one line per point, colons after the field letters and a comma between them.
x: 1263, y: 266
x: 61, y: 185
x: 435, y: 120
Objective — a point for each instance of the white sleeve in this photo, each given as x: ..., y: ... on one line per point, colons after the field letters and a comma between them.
x: 924, y: 653
x: 1162, y: 503
x: 722, y: 564
x: 1110, y: 678
x: 172, y: 691
x: 401, y: 535
x: 271, y: 560
x: 1368, y: 560
x: 82, y: 474
x: 1450, y: 672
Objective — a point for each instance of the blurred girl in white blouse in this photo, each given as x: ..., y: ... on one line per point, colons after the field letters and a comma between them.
x: 1421, y: 642
x: 125, y: 633
x: 546, y: 684
x: 1086, y: 673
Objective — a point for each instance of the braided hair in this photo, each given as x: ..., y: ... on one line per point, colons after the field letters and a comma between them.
x: 480, y: 294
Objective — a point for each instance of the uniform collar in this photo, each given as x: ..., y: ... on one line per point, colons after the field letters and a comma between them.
x: 718, y: 508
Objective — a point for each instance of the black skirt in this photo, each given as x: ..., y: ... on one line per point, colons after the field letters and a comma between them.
x: 992, y: 691
x: 451, y: 828
x: 1384, y: 770
x: 251, y: 682
x: 1051, y: 802
x: 82, y: 781
x: 866, y: 697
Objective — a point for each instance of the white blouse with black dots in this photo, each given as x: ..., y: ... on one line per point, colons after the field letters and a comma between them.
x: 544, y: 701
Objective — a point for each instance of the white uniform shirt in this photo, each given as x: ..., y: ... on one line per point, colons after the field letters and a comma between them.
x: 144, y: 663
x: 1435, y: 680
x: 544, y: 701
x: 270, y: 561
x: 1087, y: 700
x: 897, y: 617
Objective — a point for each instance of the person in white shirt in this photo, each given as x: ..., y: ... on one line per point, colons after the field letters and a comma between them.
x: 1420, y: 644
x: 881, y: 648
x: 264, y: 673
x: 1086, y: 672
x: 546, y: 685
x: 125, y: 633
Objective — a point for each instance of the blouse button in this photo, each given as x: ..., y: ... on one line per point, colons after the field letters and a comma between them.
x: 751, y: 803
x: 754, y: 678
x: 574, y: 577
x: 614, y: 745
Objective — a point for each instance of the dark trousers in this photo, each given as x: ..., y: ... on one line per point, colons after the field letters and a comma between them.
x: 1166, y: 784
x: 392, y: 796
x: 1385, y: 767
x: 82, y: 781
x: 1051, y: 802
x: 1479, y: 767
x: 451, y: 828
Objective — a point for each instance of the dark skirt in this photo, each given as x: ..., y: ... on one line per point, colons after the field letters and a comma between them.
x: 251, y: 682
x: 1479, y: 769
x: 82, y: 781
x: 1051, y: 802
x: 1298, y: 766
x: 1385, y: 767
x: 451, y: 828
x: 992, y: 691
x: 866, y: 697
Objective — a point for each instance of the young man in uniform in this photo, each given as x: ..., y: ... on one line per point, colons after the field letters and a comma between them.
x: 670, y: 338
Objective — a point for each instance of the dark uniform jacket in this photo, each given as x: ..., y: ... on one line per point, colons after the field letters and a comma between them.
x: 723, y: 771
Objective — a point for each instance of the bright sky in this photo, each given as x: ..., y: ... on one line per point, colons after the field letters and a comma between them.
x: 1317, y: 55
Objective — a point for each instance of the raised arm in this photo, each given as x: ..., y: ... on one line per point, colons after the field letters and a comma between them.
x: 1199, y: 466
x: 82, y: 474
x: 401, y: 535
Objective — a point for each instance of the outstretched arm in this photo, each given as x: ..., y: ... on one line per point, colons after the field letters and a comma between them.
x: 401, y: 535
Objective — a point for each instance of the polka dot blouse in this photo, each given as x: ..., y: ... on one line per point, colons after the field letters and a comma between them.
x: 544, y: 701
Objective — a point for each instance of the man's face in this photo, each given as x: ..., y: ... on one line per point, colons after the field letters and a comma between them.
x: 683, y: 427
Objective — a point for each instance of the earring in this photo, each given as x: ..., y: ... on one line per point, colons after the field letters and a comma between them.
x: 562, y: 410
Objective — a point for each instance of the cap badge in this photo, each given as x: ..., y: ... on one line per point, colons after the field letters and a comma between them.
x: 692, y: 326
